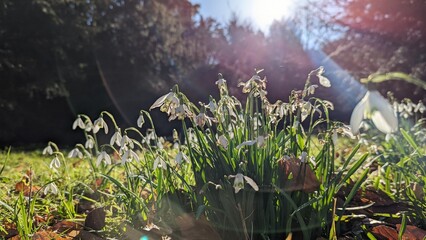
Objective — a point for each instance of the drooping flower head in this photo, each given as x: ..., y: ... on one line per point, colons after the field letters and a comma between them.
x: 373, y: 105
x: 78, y: 123
x: 168, y: 102
x: 239, y: 181
x: 100, y: 123
x: 103, y: 156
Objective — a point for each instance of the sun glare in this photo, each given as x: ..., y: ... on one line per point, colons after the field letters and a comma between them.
x: 264, y: 12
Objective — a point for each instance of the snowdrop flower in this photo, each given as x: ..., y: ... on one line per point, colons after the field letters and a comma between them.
x: 55, y: 163
x: 90, y: 143
x: 311, y: 89
x: 282, y: 109
x: 303, y: 156
x: 167, y: 103
x: 160, y: 142
x: 181, y: 156
x: 47, y: 150
x: 221, y: 81
x: 328, y: 105
x: 51, y: 187
x: 128, y: 155
x: 246, y: 143
x: 239, y: 182
x: 364, y: 141
x: 105, y: 157
x: 180, y: 112
x: 126, y: 141
x: 100, y: 123
x: 212, y: 105
x: 420, y: 107
x: 254, y: 83
x: 88, y: 125
x: 116, y: 138
x: 305, y: 110
x: 75, y: 153
x: 405, y: 108
x: 344, y: 130
x: 160, y: 163
x: 192, y: 138
x: 175, y: 135
x: 295, y: 125
x: 201, y: 119
x: 140, y: 121
x: 150, y: 135
x: 134, y: 155
x: 323, y: 80
x: 334, y: 137
x: 373, y: 105
x: 260, y: 140
x: 222, y: 141
x: 78, y: 123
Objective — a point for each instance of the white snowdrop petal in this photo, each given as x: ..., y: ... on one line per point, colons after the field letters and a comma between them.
x: 381, y: 122
x: 99, y: 159
x: 238, y: 182
x: 252, y: 183
x: 159, y: 101
x: 246, y: 143
x: 75, y: 124
x: 140, y: 121
x: 383, y: 115
x: 358, y: 115
x: 324, y: 81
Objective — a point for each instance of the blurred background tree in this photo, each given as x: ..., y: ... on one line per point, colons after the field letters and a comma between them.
x: 59, y: 58
x: 373, y: 36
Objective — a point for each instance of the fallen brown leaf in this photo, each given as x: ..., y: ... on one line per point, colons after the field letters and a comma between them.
x: 412, y: 232
x: 25, y: 188
x: 95, y: 219
x: 66, y: 226
x: 294, y: 176
x: 10, y: 230
x: 383, y: 232
x: 131, y: 233
x: 48, y: 235
x: 379, y: 197
x: 73, y: 233
x: 194, y: 229
x: 418, y: 191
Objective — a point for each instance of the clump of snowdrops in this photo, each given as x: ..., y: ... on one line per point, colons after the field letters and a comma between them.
x: 255, y: 169
x: 261, y: 169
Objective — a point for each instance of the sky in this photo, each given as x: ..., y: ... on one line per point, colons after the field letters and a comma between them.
x: 261, y: 13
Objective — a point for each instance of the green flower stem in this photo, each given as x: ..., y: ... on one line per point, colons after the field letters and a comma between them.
x: 378, y: 78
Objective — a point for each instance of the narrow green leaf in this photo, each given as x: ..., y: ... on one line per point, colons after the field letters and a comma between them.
x: 368, y: 233
x: 5, y: 205
x: 410, y: 140
x: 403, y: 226
x: 200, y: 210
x: 353, y: 169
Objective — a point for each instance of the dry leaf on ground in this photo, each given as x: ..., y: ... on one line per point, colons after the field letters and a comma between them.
x: 295, y: 175
x: 192, y: 229
x: 383, y: 232
x: 412, y: 232
x: 95, y: 219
